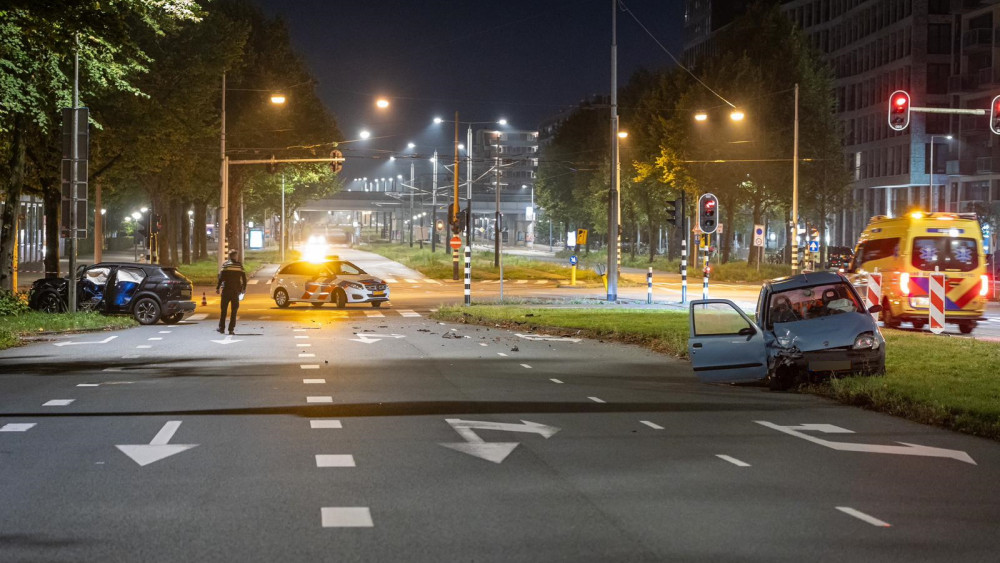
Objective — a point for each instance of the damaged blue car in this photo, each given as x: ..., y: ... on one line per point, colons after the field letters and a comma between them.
x: 806, y: 328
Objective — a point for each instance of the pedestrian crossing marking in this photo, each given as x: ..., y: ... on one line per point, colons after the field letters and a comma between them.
x: 408, y: 313
x: 374, y: 314
x: 252, y: 282
x: 390, y: 280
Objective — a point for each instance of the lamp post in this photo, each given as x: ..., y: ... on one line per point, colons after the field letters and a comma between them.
x: 613, y: 200
x: 930, y: 170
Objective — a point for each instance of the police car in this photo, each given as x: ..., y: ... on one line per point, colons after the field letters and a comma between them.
x: 329, y: 281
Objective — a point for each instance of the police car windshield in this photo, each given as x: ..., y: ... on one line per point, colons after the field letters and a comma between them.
x: 947, y: 253
x: 343, y: 268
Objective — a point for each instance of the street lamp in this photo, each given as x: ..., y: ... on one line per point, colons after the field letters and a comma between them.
x: 930, y: 171
x: 364, y: 134
x: 277, y: 99
x: 382, y: 103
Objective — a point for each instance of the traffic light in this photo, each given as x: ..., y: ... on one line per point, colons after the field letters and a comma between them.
x: 457, y: 223
x: 671, y: 211
x: 899, y: 110
x: 708, y: 209
x: 995, y: 116
x: 272, y: 166
x: 336, y: 166
x: 154, y: 223
x: 581, y: 237
x: 439, y: 225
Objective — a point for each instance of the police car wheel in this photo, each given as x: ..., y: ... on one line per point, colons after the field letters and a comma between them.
x: 317, y: 304
x: 341, y: 299
x: 281, y: 298
x: 376, y: 304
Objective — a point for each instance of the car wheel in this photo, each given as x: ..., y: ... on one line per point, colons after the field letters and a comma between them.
x: 966, y: 327
x: 146, y: 311
x: 281, y: 298
x: 376, y: 304
x: 49, y: 302
x: 172, y: 319
x: 919, y: 325
x: 888, y: 319
x: 318, y: 304
x: 341, y: 298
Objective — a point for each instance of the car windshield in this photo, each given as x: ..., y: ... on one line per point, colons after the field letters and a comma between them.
x: 343, y: 268
x: 806, y: 303
x: 947, y: 253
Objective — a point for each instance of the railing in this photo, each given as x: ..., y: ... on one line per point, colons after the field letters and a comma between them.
x: 977, y: 38
x: 987, y: 165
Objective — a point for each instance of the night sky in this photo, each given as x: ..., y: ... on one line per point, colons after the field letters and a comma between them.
x: 524, y: 60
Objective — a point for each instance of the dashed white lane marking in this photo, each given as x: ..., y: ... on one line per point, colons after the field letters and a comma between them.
x: 483, y: 344
x: 309, y: 366
x: 303, y: 345
x: 252, y: 282
x: 325, y: 424
x: 390, y: 280
x: 155, y: 338
x: 346, y: 517
x: 165, y: 331
x: 57, y: 402
x: 408, y: 280
x: 198, y: 317
x: 302, y: 337
x: 313, y: 381
x: 652, y: 425
x: 298, y: 330
x: 307, y: 355
x: 733, y: 460
x: 525, y: 366
x: 17, y: 427
x: 373, y: 314
x: 596, y: 400
x: 553, y: 380
x: 540, y: 282
x: 520, y: 282
x: 334, y: 460
x: 864, y: 517
x: 408, y: 313
x: 88, y: 384
x: 501, y: 354
x: 319, y: 399
x: 111, y: 369
x: 143, y: 346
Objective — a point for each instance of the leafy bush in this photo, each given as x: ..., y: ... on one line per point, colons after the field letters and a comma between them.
x: 13, y: 303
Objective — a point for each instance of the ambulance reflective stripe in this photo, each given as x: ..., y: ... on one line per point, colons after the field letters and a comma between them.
x: 919, y: 288
x: 936, y: 312
x: 965, y: 298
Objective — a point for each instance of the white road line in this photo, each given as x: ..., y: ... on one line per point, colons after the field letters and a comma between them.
x: 733, y: 460
x: 408, y: 313
x: 433, y: 281
x: 17, y: 427
x: 313, y: 381
x: 541, y: 282
x: 303, y: 345
x: 252, y: 282
x: 501, y: 354
x: 521, y: 282
x: 130, y: 356
x: 652, y: 425
x: 346, y: 517
x: 319, y: 399
x: 595, y: 399
x: 309, y: 366
x: 298, y: 330
x: 165, y: 331
x: 302, y: 337
x: 334, y: 460
x: 198, y: 317
x: 408, y: 280
x: 555, y: 381
x: 111, y: 369
x: 525, y: 366
x: 143, y: 346
x: 155, y: 338
x: 58, y: 402
x: 325, y: 424
x: 88, y: 384
x: 390, y: 280
x: 483, y: 344
x: 862, y: 516
x: 374, y: 314
x: 307, y: 355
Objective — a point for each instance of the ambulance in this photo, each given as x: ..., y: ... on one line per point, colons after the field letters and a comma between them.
x: 907, y: 249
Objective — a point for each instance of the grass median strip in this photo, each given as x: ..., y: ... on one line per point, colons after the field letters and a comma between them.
x: 15, y: 328
x: 945, y: 381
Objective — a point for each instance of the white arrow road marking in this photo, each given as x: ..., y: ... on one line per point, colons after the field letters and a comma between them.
x: 862, y: 516
x: 652, y: 425
x: 227, y: 340
x: 905, y: 449
x: 159, y: 448
x: 491, y: 451
x: 546, y: 338
x: 105, y: 341
x: 368, y: 337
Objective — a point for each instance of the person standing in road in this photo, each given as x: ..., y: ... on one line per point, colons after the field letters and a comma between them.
x: 232, y: 283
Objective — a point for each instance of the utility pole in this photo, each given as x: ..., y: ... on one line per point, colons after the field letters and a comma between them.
x: 455, y: 207
x: 282, y: 241
x: 613, y: 191
x: 496, y: 227
x: 73, y: 179
x: 434, y: 210
x: 795, y: 188
x: 411, y: 203
x: 468, y: 176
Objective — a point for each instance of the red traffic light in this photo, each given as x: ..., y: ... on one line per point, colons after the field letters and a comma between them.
x: 995, y: 116
x: 899, y: 110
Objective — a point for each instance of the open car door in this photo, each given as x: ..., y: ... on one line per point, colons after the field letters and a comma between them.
x: 725, y: 345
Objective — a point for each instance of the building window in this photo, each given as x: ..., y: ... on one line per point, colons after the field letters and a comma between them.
x: 937, y: 78
x: 939, y: 39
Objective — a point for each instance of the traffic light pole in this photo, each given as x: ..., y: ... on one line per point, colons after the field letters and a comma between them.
x: 434, y: 210
x: 613, y: 190
x: 684, y: 249
x: 795, y: 188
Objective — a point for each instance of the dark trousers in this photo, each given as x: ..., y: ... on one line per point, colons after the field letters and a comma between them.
x: 227, y: 302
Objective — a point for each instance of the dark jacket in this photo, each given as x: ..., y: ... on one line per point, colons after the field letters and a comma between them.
x: 232, y: 278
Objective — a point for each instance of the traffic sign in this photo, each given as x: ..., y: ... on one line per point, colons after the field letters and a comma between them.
x: 456, y: 242
x: 758, y: 235
x: 814, y: 246
x: 572, y: 260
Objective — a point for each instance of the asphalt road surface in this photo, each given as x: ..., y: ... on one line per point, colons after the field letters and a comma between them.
x: 382, y: 435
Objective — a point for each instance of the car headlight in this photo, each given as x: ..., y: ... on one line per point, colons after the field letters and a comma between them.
x: 866, y: 340
x: 355, y: 285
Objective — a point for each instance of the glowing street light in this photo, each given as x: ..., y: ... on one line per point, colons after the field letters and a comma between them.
x: 623, y: 134
x: 277, y: 99
x: 364, y: 134
x: 701, y: 116
x: 736, y: 115
x: 382, y: 103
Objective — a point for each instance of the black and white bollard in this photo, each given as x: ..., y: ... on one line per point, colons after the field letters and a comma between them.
x: 704, y: 283
x: 468, y: 275
x: 649, y: 286
x: 684, y: 270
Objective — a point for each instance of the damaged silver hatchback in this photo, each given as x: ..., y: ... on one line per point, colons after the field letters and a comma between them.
x: 807, y: 327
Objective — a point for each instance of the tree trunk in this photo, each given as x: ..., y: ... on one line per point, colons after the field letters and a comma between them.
x: 652, y: 236
x: 9, y: 216
x: 185, y: 232
x: 789, y: 233
x: 726, y: 238
x: 53, y: 206
x: 200, y: 237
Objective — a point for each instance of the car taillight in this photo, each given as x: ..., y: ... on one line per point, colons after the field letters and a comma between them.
x: 904, y: 283
x: 984, y: 285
